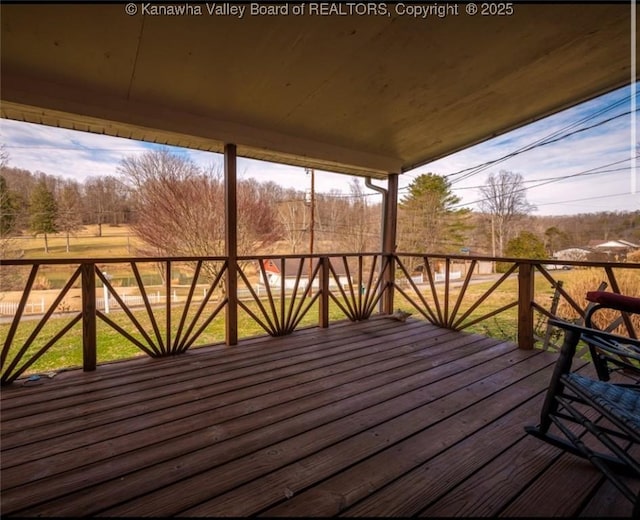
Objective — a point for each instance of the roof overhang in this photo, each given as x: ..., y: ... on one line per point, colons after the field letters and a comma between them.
x: 364, y: 95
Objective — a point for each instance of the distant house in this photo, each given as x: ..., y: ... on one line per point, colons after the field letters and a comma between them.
x: 613, y: 244
x: 573, y: 253
x: 274, y: 269
x: 616, y: 250
x: 598, y: 250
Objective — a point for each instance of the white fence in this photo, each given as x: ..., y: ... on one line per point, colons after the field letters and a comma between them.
x: 10, y: 308
x: 134, y: 300
x: 130, y: 300
x: 438, y: 277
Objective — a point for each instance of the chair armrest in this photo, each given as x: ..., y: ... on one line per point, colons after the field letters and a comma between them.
x: 621, y: 351
x: 615, y: 301
x: 607, y: 336
x: 608, y: 350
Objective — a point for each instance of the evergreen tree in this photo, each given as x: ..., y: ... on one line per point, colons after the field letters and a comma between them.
x: 43, y: 212
x: 8, y: 209
x: 429, y: 220
x: 555, y: 239
x: 524, y: 245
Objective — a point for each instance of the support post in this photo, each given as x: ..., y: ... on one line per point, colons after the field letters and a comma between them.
x: 312, y: 219
x: 525, y: 309
x: 89, y: 342
x: 167, y: 292
x: 231, y: 243
x: 324, y: 292
x: 390, y: 220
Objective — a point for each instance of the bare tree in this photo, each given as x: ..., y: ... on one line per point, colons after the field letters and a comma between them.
x: 9, y: 211
x: 69, y: 216
x: 293, y: 215
x: 330, y: 212
x: 258, y: 225
x: 4, y: 157
x: 357, y: 229
x: 505, y: 200
x: 105, y: 201
x: 180, y: 208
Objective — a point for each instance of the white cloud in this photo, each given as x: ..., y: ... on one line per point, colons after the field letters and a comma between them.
x: 65, y: 153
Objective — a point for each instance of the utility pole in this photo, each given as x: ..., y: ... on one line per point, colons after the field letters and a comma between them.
x: 312, y: 204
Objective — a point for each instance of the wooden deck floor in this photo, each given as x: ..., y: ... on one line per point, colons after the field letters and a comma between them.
x: 379, y: 418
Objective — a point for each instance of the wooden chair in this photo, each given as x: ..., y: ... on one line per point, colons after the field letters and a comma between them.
x: 598, y: 418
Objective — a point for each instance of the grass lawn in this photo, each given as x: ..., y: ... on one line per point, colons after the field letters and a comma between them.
x: 115, y: 241
x: 67, y: 351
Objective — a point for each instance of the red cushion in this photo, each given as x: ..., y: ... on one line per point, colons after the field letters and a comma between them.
x: 615, y: 301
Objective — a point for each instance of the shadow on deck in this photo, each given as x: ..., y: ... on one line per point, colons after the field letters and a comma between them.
x: 378, y: 418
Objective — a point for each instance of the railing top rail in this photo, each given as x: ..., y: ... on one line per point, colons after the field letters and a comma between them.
x: 110, y: 260
x: 544, y: 261
x: 310, y: 255
x: 123, y: 259
x: 117, y: 260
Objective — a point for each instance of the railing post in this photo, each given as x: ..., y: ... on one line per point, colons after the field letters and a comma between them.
x: 167, y: 291
x: 388, y: 280
x: 89, y: 350
x: 525, y: 309
x: 324, y: 293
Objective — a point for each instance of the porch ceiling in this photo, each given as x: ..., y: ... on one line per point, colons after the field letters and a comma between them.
x: 365, y: 95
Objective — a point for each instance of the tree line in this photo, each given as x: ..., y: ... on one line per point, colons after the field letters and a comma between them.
x: 177, y: 208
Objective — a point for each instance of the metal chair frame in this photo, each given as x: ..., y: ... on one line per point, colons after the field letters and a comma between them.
x: 590, y: 403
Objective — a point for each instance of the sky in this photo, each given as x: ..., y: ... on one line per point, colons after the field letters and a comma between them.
x: 594, y: 145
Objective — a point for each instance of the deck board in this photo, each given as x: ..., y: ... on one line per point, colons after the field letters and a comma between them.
x: 439, y: 425
x: 377, y: 418
x: 448, y: 469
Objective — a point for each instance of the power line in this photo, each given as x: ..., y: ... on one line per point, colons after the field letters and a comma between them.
x: 563, y: 177
x: 551, y: 137
x: 591, y: 171
x: 486, y: 165
x: 549, y: 181
x: 586, y: 198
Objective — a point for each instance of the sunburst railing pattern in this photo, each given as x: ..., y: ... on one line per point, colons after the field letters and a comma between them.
x: 437, y: 300
x: 288, y: 298
x: 289, y: 287
x: 356, y: 285
x: 172, y: 327
x: 17, y: 357
x: 165, y: 306
x: 449, y: 292
x: 166, y: 323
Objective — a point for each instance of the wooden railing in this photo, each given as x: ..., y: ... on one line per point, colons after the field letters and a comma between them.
x: 277, y: 295
x: 517, y: 293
